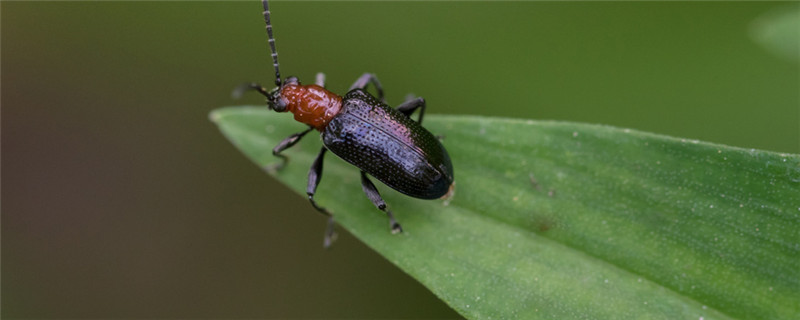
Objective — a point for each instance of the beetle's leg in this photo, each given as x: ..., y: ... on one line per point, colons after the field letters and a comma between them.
x: 240, y: 90
x: 285, y: 144
x: 314, y: 176
x: 320, y: 79
x: 411, y: 105
x: 375, y: 197
x: 366, y: 79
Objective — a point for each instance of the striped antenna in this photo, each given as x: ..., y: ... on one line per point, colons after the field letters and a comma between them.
x: 271, y: 43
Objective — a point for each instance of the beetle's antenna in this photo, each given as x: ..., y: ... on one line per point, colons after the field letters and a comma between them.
x: 271, y: 43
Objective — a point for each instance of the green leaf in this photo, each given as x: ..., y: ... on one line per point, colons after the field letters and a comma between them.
x: 564, y: 220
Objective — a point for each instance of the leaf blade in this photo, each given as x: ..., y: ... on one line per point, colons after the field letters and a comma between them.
x: 554, y: 220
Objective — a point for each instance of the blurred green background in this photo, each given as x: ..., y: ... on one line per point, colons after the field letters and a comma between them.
x: 120, y: 198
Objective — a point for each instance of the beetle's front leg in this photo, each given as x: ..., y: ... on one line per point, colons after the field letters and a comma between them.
x: 366, y: 79
x: 411, y: 105
x: 375, y: 197
x: 320, y: 81
x: 314, y: 177
x: 285, y: 144
x: 240, y: 90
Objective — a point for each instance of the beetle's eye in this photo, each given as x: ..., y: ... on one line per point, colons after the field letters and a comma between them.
x: 279, y: 105
x: 275, y: 102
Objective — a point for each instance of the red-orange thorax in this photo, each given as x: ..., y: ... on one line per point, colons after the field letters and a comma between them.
x: 311, y: 104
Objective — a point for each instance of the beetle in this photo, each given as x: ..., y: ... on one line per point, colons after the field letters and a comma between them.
x: 381, y: 141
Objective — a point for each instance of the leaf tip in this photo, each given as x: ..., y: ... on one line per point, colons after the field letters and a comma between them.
x: 214, y: 116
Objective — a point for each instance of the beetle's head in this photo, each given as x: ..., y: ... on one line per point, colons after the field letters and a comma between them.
x: 275, y: 99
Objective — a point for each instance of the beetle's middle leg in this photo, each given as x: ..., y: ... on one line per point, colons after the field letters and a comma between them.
x: 314, y: 176
x: 375, y: 197
x: 412, y: 105
x: 283, y: 145
x: 366, y: 79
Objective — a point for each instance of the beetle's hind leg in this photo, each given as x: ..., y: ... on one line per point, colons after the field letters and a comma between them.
x: 366, y: 79
x: 375, y: 197
x: 314, y: 176
x: 411, y: 105
x: 283, y: 145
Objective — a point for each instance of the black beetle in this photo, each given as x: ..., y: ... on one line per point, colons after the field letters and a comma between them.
x: 381, y: 141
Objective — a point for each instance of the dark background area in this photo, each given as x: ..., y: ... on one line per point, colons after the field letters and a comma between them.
x: 120, y: 199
